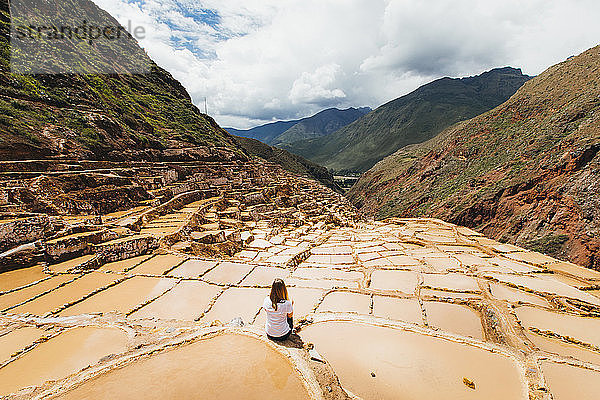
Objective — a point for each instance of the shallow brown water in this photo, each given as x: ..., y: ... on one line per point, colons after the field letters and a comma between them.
x: 407, y: 310
x: 585, y: 329
x: 454, y: 318
x: 158, y: 265
x: 561, y: 348
x: 571, y: 383
x: 19, y: 296
x: 68, y: 293
x: 17, y: 340
x: 410, y: 366
x: 186, y: 301
x: 346, y: 302
x: 224, y: 367
x: 121, y: 266
x: 228, y: 273
x: 237, y: 302
x: 192, y: 268
x: 515, y: 295
x: 548, y: 284
x: 451, y: 281
x: 67, y: 265
x: 403, y: 281
x: 123, y: 297
x: 20, y: 277
x: 327, y: 273
x: 264, y: 276
x: 61, y: 356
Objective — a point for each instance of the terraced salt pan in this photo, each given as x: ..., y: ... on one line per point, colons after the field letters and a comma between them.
x: 451, y: 281
x: 13, y: 298
x: 124, y: 265
x: 509, y: 266
x: 571, y: 383
x: 575, y: 282
x: 237, y: 302
x: 192, y: 268
x: 407, y: 365
x: 321, y: 283
x: 440, y: 238
x: 400, y: 261
x: 228, y: 273
x: 515, y: 295
x: 331, y: 249
x: 123, y: 297
x: 346, y: 302
x: 575, y: 270
x: 442, y: 294
x: 186, y: 301
x: 459, y: 248
x: 15, y: 279
x: 407, y: 310
x: 441, y: 264
x: 158, y: 265
x: 378, y: 263
x: 403, y: 281
x: 454, y: 318
x: 224, y: 367
x: 370, y: 249
x: 563, y: 349
x: 584, y: 329
x: 18, y: 340
x: 331, y: 259
x: 305, y: 300
x: 327, y: 273
x: 470, y: 260
x: 264, y: 276
x: 546, y: 284
x: 531, y: 257
x: 61, y: 356
x: 66, y: 294
x: 67, y: 265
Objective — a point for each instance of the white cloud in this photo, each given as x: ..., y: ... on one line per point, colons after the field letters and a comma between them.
x: 258, y: 60
x: 318, y: 87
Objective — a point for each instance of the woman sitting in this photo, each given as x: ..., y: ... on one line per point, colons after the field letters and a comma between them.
x: 279, y: 311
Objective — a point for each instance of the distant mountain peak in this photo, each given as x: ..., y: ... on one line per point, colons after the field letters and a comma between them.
x: 409, y: 119
x: 526, y: 172
x: 322, y: 123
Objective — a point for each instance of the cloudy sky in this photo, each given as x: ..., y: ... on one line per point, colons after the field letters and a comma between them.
x: 263, y: 60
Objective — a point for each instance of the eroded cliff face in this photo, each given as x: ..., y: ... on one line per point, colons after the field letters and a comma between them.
x: 526, y: 172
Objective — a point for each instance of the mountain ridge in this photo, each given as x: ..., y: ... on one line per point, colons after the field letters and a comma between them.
x: 282, y: 132
x: 525, y: 172
x: 411, y: 118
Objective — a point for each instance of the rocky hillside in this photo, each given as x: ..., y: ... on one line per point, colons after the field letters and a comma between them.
x: 119, y: 116
x: 284, y: 133
x: 413, y: 118
x: 288, y: 161
x: 526, y: 172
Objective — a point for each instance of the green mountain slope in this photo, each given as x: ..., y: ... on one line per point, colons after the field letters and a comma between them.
x: 320, y: 124
x: 282, y: 133
x: 413, y: 118
x: 118, y: 116
x: 526, y: 172
x: 265, y: 133
x: 288, y: 161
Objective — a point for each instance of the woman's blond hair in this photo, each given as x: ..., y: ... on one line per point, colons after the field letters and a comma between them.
x: 278, y: 292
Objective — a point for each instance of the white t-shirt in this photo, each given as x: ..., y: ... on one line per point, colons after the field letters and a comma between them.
x: 276, y: 324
